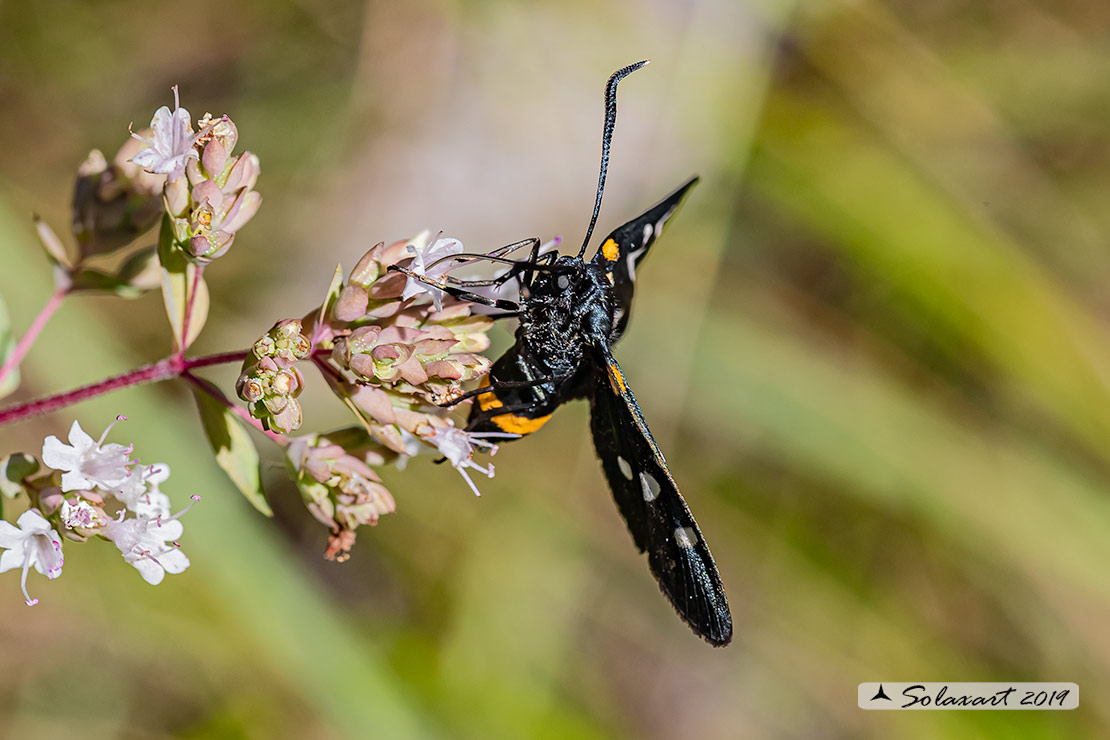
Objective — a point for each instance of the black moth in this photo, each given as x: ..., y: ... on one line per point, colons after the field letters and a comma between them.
x: 571, y: 313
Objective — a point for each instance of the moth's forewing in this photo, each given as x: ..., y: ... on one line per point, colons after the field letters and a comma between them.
x: 648, y: 498
x: 625, y: 248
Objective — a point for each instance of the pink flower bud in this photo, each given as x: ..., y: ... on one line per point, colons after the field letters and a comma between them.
x: 208, y: 197
x: 213, y: 158
x: 244, y: 173
x: 51, y: 500
x: 446, y: 369
x: 242, y: 210
x: 352, y: 303
x: 375, y: 402
x: 367, y: 269
x: 176, y: 197
x: 288, y: 419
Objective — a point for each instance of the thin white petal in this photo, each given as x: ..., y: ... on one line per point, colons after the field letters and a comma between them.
x: 182, y: 118
x: 163, y: 116
x: 147, y: 159
x: 152, y: 504
x: 58, y: 455
x: 32, y: 522
x: 11, y: 559
x: 151, y: 572
x: 48, y: 555
x: 174, y: 561
x: 75, y: 481
x: 10, y: 536
x: 79, y: 438
x: 157, y: 473
x: 170, y: 530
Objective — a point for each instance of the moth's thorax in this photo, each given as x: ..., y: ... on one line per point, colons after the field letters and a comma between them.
x: 566, y: 307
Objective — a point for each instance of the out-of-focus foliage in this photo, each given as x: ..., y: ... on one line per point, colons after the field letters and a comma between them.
x: 874, y: 346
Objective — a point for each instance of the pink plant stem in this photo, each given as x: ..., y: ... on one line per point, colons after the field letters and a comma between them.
x: 171, y: 367
x: 33, y: 332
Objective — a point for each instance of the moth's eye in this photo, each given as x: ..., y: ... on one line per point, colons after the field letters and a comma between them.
x: 563, y: 282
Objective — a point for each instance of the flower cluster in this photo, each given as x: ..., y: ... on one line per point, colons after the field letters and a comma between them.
x: 89, y: 488
x: 392, y: 344
x: 270, y: 381
x: 338, y: 484
x: 395, y: 350
x: 386, y: 337
x: 209, y: 194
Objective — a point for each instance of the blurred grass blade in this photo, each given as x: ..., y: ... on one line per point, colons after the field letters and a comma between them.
x: 891, y: 446
x: 965, y: 278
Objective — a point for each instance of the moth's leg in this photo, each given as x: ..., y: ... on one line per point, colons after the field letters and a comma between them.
x: 497, y: 255
x: 493, y: 388
x: 504, y: 305
x: 533, y: 260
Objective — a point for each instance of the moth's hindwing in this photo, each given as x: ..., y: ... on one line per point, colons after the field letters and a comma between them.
x: 648, y: 499
x: 625, y: 248
x: 507, y: 406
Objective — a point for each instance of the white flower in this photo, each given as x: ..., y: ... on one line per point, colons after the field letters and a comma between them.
x: 412, y: 448
x: 83, y: 515
x: 152, y: 504
x: 459, y: 446
x: 148, y: 543
x: 132, y: 487
x: 140, y: 492
x: 87, y: 464
x: 424, y: 256
x: 171, y: 143
x: 32, y: 543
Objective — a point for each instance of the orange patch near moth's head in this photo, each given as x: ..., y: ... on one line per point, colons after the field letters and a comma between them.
x: 610, y: 250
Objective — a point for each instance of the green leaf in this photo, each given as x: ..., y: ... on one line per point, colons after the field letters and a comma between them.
x: 234, y: 450
x: 332, y: 295
x: 98, y: 281
x: 7, y: 345
x: 140, y: 271
x: 136, y: 276
x: 180, y: 278
x: 14, y: 469
x: 51, y: 245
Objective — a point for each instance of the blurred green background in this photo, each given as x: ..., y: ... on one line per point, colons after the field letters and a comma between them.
x: 874, y: 346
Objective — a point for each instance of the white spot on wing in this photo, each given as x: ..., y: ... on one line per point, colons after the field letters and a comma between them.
x: 626, y: 469
x: 648, y: 231
x: 686, y: 536
x: 650, y: 486
x: 633, y: 258
x: 659, y: 224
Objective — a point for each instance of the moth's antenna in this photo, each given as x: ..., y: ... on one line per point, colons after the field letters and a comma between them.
x: 607, y: 139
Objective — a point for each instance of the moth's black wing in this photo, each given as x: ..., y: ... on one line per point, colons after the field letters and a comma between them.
x: 625, y: 248
x: 649, y: 501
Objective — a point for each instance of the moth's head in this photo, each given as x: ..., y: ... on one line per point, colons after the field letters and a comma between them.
x: 564, y: 275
